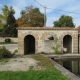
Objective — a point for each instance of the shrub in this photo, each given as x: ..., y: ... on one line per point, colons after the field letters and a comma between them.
x: 7, y: 40
x: 56, y: 47
x: 4, y: 53
x: 16, y: 51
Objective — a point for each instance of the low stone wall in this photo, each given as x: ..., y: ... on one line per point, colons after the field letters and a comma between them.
x: 65, y: 72
x: 12, y: 39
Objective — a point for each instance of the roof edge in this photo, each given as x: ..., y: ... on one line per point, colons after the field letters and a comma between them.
x: 46, y: 28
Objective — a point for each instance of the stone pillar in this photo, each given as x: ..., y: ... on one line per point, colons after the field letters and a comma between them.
x: 79, y: 44
x: 20, y: 43
x: 75, y: 44
x: 75, y: 67
x: 36, y: 46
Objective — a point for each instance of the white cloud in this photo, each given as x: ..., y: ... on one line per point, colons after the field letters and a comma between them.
x: 77, y: 22
x: 19, y: 3
x: 51, y: 19
x: 50, y: 4
x: 17, y: 12
x: 0, y: 5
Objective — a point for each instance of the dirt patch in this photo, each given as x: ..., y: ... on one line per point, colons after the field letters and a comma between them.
x: 20, y: 64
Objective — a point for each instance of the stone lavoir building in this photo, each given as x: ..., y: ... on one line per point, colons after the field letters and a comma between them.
x: 41, y: 39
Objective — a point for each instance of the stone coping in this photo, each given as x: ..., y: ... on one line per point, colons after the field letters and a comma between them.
x: 65, y: 57
x: 46, y: 28
x: 63, y: 70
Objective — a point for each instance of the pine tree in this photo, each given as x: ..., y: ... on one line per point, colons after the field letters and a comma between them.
x: 10, y: 27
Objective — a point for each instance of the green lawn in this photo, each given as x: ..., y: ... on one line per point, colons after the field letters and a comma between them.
x: 33, y: 75
x: 49, y: 73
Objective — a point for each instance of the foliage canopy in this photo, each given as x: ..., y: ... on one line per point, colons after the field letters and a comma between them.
x: 64, y: 21
x: 7, y: 22
x: 32, y: 17
x: 4, y: 14
x: 10, y: 26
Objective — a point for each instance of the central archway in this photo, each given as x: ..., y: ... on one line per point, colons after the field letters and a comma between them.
x: 67, y: 44
x: 29, y: 45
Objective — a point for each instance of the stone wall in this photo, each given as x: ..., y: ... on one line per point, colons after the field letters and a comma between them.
x: 41, y: 35
x: 12, y: 39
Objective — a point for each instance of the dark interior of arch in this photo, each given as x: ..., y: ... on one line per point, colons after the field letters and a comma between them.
x: 29, y: 45
x: 51, y: 38
x: 67, y: 43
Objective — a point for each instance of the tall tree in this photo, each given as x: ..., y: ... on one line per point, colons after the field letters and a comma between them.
x: 32, y: 17
x: 4, y: 14
x: 10, y: 27
x: 64, y: 21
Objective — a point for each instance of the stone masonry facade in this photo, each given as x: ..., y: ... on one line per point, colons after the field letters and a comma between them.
x: 42, y: 34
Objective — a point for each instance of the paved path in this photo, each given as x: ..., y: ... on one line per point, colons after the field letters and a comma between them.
x: 11, y: 47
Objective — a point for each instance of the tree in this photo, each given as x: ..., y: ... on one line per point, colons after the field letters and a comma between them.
x: 32, y: 17
x: 4, y: 14
x: 64, y: 21
x: 18, y: 21
x: 3, y: 17
x: 10, y: 27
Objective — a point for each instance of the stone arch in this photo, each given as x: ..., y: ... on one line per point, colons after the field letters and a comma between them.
x: 67, y: 44
x: 29, y: 44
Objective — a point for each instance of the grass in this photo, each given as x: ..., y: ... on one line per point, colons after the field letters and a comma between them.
x: 44, y: 62
x: 2, y: 43
x: 49, y: 73
x: 32, y: 75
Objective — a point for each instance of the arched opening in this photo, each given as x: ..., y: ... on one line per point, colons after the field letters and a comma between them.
x: 67, y: 44
x: 29, y: 44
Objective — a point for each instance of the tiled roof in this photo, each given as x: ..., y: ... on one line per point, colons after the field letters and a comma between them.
x: 78, y: 29
x: 46, y: 28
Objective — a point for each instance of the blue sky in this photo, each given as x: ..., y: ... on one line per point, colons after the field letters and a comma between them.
x: 52, y: 14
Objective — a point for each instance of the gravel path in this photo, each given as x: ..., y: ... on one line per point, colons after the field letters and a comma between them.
x: 19, y: 64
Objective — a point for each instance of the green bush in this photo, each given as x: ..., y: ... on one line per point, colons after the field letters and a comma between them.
x: 16, y: 51
x: 56, y: 47
x: 4, y: 53
x: 7, y: 40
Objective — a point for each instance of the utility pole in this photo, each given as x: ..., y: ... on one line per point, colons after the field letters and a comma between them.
x: 44, y: 12
x: 44, y: 16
